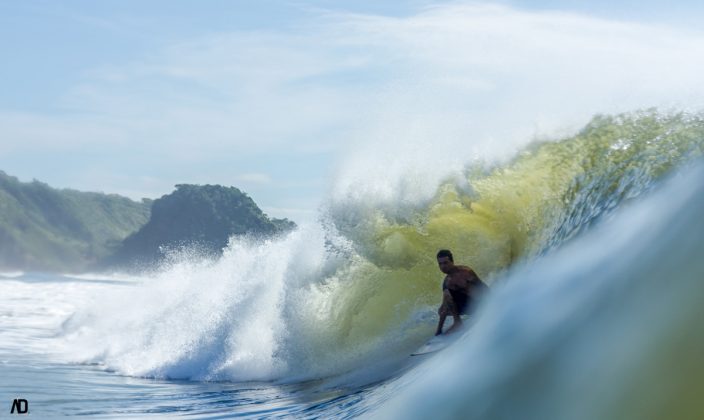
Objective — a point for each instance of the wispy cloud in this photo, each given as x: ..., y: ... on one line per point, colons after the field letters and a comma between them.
x: 379, y: 94
x: 254, y: 178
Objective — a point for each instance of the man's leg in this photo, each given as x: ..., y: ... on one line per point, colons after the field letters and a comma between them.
x: 456, y: 323
x: 454, y: 311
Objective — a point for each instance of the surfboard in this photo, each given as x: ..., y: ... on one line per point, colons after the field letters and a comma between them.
x: 441, y: 341
x: 436, y: 343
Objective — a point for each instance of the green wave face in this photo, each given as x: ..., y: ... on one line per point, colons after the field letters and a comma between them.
x: 546, y: 195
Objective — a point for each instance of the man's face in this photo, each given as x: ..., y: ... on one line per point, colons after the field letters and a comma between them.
x: 445, y: 265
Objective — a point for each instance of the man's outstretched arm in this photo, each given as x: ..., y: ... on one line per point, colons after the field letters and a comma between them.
x: 447, y: 308
x: 441, y: 323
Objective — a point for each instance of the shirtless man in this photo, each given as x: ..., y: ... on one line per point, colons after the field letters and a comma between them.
x: 461, y: 290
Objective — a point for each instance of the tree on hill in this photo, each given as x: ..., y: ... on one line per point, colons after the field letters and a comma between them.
x: 204, y: 217
x: 48, y: 229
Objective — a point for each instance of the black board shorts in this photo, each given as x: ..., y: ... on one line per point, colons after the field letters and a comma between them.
x: 462, y: 302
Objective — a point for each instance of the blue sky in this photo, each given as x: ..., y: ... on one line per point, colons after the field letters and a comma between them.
x: 299, y: 101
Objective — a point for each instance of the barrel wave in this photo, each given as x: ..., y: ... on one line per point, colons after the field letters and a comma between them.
x: 352, y: 295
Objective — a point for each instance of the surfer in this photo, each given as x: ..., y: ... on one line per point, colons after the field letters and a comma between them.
x: 461, y: 290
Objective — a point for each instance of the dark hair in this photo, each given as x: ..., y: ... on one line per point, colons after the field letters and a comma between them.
x: 445, y: 253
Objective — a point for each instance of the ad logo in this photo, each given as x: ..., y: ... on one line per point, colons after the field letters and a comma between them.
x: 20, y: 406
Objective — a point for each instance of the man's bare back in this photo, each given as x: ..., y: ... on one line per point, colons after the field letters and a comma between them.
x: 462, y: 279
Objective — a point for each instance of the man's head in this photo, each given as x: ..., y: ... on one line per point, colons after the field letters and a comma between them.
x: 445, y: 261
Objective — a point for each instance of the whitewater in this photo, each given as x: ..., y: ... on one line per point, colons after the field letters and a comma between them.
x: 592, y: 245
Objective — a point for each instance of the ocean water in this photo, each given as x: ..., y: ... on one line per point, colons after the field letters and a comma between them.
x: 592, y: 246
